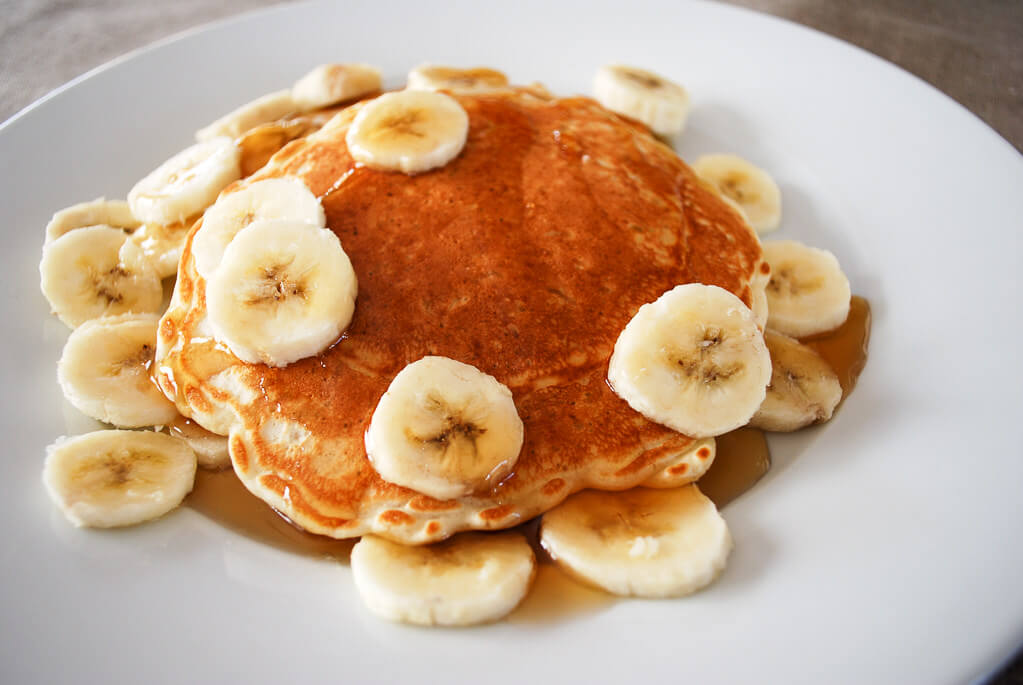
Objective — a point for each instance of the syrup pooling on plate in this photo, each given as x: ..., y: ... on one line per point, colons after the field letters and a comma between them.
x: 845, y: 348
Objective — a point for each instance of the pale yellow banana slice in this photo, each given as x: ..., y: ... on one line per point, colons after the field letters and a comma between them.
x: 96, y: 271
x: 211, y: 450
x: 99, y: 212
x: 687, y: 468
x: 104, y: 371
x: 643, y: 96
x: 803, y: 389
x: 748, y: 186
x: 274, y: 198
x: 187, y: 183
x: 436, y: 77
x: 444, y: 428
x: 693, y: 360
x: 639, y: 543
x: 262, y: 110
x: 118, y: 478
x: 409, y: 131
x: 470, y: 579
x: 758, y: 303
x: 162, y: 245
x: 807, y: 293
x: 329, y: 84
x: 284, y: 291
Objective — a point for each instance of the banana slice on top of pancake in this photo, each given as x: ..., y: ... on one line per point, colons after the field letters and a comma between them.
x: 803, y: 389
x: 98, y: 212
x: 118, y: 478
x: 472, y: 80
x: 693, y: 360
x: 284, y: 290
x: 444, y: 428
x: 469, y: 579
x: 687, y: 467
x: 262, y: 110
x: 644, y: 96
x: 329, y: 84
x: 751, y: 188
x: 104, y: 372
x: 97, y: 271
x: 640, y: 542
x: 274, y: 198
x: 807, y: 293
x: 187, y: 183
x: 410, y: 131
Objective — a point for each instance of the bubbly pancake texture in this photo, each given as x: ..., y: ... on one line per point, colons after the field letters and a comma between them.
x: 525, y: 256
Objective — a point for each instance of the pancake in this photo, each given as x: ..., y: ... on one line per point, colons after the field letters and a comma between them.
x: 525, y: 257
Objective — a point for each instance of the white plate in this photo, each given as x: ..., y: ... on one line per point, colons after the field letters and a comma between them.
x: 884, y: 546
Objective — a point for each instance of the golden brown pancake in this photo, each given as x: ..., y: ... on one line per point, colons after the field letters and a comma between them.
x: 525, y: 257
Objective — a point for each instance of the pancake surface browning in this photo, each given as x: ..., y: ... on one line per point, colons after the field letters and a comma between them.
x: 525, y: 256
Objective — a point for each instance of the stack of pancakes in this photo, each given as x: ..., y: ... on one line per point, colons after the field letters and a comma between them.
x: 525, y: 257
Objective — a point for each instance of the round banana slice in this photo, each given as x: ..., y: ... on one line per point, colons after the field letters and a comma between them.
x: 118, y: 478
x: 104, y: 371
x: 275, y: 198
x: 644, y: 96
x: 96, y: 271
x: 284, y: 291
x: 262, y: 110
x: 99, y: 212
x: 807, y: 293
x: 328, y: 84
x: 211, y: 450
x: 687, y: 468
x: 639, y: 543
x: 803, y: 389
x: 474, y: 80
x: 748, y: 186
x: 409, y: 131
x: 693, y: 360
x: 187, y: 183
x: 444, y: 428
x: 162, y: 245
x: 470, y: 579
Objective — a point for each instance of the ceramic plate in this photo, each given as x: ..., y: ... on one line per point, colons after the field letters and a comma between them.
x: 883, y: 546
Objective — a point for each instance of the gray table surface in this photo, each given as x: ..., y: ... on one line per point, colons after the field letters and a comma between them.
x: 971, y: 50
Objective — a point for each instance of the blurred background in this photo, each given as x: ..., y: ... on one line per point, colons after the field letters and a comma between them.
x: 971, y: 50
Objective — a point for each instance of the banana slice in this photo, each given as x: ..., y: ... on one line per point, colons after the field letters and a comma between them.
x: 693, y: 360
x: 187, y: 183
x: 275, y: 198
x: 748, y: 186
x: 284, y: 291
x: 211, y: 450
x: 258, y: 145
x: 118, y: 478
x: 96, y: 271
x: 328, y: 84
x: 104, y: 371
x: 688, y: 468
x: 99, y: 212
x: 262, y: 110
x: 444, y: 428
x: 435, y: 77
x: 409, y: 131
x: 644, y: 96
x: 162, y: 245
x: 639, y: 543
x: 758, y: 302
x: 803, y: 389
x: 470, y: 579
x: 807, y: 293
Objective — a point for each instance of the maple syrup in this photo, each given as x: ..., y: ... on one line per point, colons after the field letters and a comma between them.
x: 221, y: 497
x: 845, y: 348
